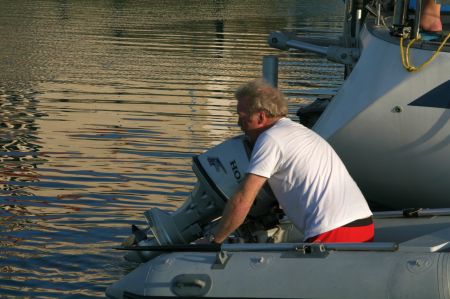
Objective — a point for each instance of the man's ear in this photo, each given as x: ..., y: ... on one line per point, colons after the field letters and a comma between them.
x: 261, y: 116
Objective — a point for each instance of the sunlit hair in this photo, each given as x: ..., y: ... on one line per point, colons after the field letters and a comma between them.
x: 260, y: 96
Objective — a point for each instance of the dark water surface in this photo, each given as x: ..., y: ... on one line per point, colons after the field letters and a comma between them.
x: 103, y: 105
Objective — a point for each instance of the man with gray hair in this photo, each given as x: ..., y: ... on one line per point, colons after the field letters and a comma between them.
x: 307, y: 177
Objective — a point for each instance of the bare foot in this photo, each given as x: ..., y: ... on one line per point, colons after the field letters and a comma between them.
x: 431, y: 23
x: 431, y: 17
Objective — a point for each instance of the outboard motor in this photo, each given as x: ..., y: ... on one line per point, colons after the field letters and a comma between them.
x: 219, y: 170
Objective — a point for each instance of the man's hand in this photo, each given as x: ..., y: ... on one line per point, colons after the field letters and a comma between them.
x: 238, y: 206
x: 208, y: 238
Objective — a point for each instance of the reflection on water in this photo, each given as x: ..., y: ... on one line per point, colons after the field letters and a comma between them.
x: 103, y: 105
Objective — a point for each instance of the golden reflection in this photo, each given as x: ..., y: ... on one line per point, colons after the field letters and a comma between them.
x: 103, y: 104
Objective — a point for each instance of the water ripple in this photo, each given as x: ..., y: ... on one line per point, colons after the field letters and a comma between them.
x: 103, y: 106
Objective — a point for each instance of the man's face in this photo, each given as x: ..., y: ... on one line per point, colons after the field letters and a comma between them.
x: 249, y: 123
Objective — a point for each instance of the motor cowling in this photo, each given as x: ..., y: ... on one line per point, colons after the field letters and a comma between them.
x: 220, y: 171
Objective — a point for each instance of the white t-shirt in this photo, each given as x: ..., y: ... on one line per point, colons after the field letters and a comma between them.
x: 308, y: 178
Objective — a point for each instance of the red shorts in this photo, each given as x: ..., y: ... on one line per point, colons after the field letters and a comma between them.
x: 344, y: 234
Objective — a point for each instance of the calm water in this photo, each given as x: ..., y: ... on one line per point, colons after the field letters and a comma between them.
x: 103, y: 105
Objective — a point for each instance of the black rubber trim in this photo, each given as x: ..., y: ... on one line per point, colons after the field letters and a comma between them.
x: 208, y: 179
x: 127, y: 295
x: 212, y: 247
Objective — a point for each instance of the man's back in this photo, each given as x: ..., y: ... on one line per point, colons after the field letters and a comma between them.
x: 308, y: 178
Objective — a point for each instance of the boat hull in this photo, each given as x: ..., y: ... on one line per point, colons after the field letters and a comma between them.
x: 409, y: 259
x: 390, y: 126
x: 291, y: 275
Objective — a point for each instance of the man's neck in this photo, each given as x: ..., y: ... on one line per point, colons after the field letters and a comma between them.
x: 270, y: 122
x: 273, y: 120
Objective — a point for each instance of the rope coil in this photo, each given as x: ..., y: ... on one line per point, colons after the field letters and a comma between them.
x: 405, y: 54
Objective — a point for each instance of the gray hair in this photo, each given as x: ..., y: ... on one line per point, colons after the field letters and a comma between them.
x: 261, y: 96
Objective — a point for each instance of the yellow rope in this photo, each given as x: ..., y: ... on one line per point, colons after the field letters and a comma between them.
x: 405, y: 54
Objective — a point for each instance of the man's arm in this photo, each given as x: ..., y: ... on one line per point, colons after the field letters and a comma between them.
x: 238, y: 206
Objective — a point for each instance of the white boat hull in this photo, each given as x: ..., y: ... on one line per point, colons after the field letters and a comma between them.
x: 391, y: 127
x: 418, y: 267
